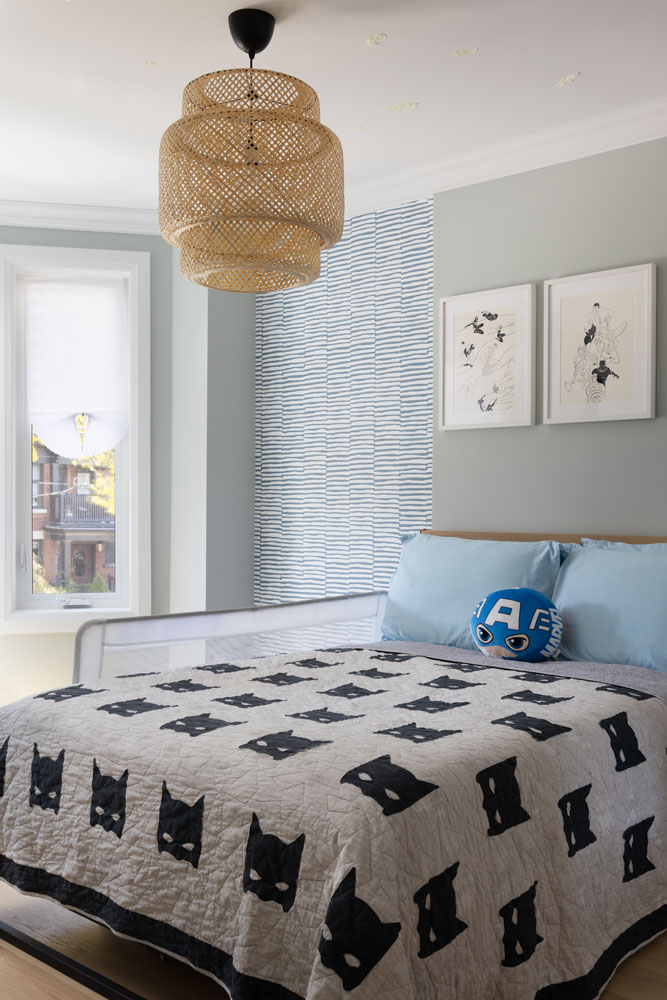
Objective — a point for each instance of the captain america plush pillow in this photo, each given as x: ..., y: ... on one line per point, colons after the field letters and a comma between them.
x: 519, y: 624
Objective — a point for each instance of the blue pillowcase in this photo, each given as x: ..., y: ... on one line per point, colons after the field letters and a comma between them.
x: 613, y: 602
x: 566, y: 548
x: 440, y: 581
x: 605, y: 543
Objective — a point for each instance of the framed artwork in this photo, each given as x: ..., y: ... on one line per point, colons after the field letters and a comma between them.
x: 486, y: 366
x: 599, y: 346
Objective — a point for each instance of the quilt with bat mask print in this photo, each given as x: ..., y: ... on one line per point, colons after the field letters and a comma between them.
x: 400, y: 821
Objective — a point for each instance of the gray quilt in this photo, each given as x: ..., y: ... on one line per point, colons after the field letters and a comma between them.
x: 400, y: 822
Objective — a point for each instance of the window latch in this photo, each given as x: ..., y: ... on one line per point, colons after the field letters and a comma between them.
x: 21, y: 558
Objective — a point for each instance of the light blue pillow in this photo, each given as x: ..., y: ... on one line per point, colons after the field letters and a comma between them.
x: 605, y: 543
x: 440, y: 581
x: 566, y: 548
x: 613, y: 603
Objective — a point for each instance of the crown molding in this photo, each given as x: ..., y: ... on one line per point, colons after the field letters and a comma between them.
x: 588, y: 137
x: 87, y: 218
x: 601, y: 134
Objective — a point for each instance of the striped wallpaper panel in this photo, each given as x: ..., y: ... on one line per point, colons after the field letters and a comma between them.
x: 344, y: 412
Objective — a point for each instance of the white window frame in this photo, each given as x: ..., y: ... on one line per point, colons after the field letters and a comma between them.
x: 46, y: 613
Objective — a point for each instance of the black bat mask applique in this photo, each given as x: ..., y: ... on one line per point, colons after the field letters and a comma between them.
x: 134, y: 706
x: 394, y: 788
x: 283, y: 679
x: 223, y: 668
x: 107, y: 805
x: 282, y: 745
x: 46, y: 780
x: 417, y: 734
x: 272, y: 866
x: 375, y: 674
x: 354, y: 939
x: 198, y: 725
x: 450, y: 683
x: 324, y: 715
x: 520, y: 938
x: 249, y: 700
x: 184, y: 686
x: 388, y: 657
x: 427, y: 704
x: 351, y: 691
x: 438, y: 923
x: 180, y: 828
x: 3, y: 765
x: 313, y: 663
x: 66, y: 694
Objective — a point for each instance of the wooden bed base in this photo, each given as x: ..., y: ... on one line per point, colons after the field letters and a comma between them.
x: 522, y: 536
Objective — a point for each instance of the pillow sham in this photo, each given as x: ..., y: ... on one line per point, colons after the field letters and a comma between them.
x: 566, y: 548
x: 440, y: 581
x: 605, y: 543
x: 613, y: 603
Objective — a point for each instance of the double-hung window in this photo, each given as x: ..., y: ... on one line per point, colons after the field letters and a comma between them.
x: 75, y: 477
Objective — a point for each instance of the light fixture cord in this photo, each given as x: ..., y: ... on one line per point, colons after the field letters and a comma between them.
x: 251, y: 147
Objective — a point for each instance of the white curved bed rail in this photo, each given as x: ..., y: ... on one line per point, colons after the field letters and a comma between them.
x: 161, y: 642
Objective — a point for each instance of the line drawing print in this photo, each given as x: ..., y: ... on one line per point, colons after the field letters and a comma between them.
x: 601, y: 354
x: 485, y: 361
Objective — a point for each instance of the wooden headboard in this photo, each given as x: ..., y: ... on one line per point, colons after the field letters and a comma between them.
x: 521, y: 536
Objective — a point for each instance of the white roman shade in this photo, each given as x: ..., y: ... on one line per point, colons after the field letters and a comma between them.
x: 77, y: 362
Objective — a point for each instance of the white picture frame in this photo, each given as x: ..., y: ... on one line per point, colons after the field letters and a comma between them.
x: 599, y: 346
x: 486, y: 365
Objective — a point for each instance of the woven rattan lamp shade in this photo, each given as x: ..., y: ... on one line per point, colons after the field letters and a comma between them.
x: 251, y: 182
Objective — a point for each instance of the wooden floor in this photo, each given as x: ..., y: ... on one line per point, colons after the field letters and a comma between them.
x: 127, y: 963
x: 641, y: 977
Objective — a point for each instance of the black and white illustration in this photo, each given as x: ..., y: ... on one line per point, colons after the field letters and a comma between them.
x: 596, y: 344
x: 355, y: 835
x: 599, y: 346
x: 485, y: 377
x: 487, y: 348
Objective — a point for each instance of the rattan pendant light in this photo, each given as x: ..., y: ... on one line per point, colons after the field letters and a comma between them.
x: 251, y: 182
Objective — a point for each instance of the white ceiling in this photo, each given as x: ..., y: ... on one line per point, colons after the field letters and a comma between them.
x: 81, y: 114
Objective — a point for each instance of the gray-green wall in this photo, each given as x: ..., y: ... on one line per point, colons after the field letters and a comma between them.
x: 231, y: 451
x: 189, y: 428
x: 213, y: 447
x: 588, y: 215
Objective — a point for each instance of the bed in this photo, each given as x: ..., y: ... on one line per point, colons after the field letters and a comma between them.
x: 305, y: 812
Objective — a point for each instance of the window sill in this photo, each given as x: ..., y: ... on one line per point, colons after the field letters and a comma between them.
x: 57, y: 620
